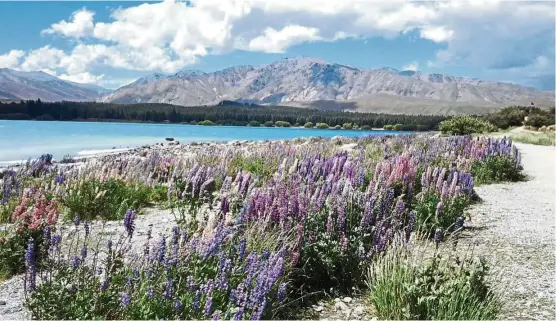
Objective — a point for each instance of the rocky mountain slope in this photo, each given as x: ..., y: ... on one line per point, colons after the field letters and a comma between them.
x: 32, y: 85
x: 297, y: 81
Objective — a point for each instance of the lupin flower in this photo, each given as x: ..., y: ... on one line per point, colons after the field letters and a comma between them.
x: 76, y: 220
x: 177, y: 306
x: 125, y: 299
x: 31, y: 265
x: 129, y: 222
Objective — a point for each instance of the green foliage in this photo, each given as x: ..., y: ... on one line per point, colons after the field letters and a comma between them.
x: 388, y: 127
x: 258, y: 166
x: 537, y: 120
x: 347, y: 126
x: 337, y: 127
x: 206, y: 123
x: 515, y: 116
x: 91, y: 199
x: 322, y: 125
x: 269, y: 124
x: 254, y: 123
x: 406, y: 286
x: 430, y: 216
x: 398, y: 127
x: 494, y: 169
x: 309, y: 125
x: 280, y: 123
x: 465, y: 125
x: 366, y: 127
x: 12, y: 249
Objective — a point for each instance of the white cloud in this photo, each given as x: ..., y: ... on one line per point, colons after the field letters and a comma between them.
x: 276, y: 41
x: 437, y: 34
x: 170, y: 35
x: 81, y: 25
x: 11, y: 59
x: 84, y: 78
x: 411, y: 66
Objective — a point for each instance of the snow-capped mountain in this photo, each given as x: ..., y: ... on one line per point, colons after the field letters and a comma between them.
x: 37, y: 84
x: 307, y: 79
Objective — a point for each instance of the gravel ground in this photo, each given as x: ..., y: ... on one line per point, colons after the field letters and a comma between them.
x: 514, y: 228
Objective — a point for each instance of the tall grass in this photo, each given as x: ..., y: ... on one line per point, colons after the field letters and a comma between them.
x: 427, y: 284
x: 544, y: 139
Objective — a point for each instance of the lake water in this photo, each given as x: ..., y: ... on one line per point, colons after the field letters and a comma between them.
x: 20, y: 140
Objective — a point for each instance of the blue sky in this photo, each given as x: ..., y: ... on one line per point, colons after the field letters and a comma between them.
x: 113, y: 43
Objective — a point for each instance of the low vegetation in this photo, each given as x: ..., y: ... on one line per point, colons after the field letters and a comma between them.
x: 466, y: 125
x: 412, y: 284
x: 260, y: 231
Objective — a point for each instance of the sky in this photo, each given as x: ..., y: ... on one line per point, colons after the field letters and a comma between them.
x: 111, y: 43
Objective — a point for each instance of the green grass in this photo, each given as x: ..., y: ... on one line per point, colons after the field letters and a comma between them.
x: 409, y: 285
x: 544, y: 139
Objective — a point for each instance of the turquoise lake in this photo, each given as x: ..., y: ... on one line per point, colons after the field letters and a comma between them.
x: 20, y: 140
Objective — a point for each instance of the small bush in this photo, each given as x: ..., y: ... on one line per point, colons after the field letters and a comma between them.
x: 254, y: 123
x: 206, y: 123
x: 388, y: 127
x: 494, y: 169
x: 466, y: 125
x: 281, y: 123
x: 431, y: 216
x: 322, y: 125
x: 407, y: 286
x: 347, y: 126
x: 398, y: 127
x: 309, y: 125
x: 337, y: 127
x: 269, y: 124
x: 366, y: 127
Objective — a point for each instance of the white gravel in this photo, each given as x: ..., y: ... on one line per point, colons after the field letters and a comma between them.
x: 514, y: 228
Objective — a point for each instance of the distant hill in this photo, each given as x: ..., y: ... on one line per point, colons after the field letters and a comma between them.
x: 17, y: 85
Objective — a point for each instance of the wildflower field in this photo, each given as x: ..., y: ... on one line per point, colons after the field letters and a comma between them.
x: 259, y: 230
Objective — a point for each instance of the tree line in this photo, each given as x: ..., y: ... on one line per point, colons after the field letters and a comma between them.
x: 226, y: 113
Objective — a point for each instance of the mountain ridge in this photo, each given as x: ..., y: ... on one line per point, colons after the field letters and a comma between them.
x: 308, y: 79
x: 37, y: 84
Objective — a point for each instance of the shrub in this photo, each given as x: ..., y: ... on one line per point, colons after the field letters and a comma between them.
x: 206, y: 123
x: 90, y: 199
x: 538, y: 121
x: 366, y: 127
x: 254, y: 123
x: 407, y: 286
x: 322, y: 125
x: 280, y: 123
x: 269, y: 124
x: 399, y: 127
x: 465, y: 125
x: 337, y: 127
x: 347, y: 126
x: 309, y: 125
x: 495, y: 168
x: 388, y: 127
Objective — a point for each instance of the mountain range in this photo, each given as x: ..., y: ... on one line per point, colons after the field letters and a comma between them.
x: 300, y: 82
x: 16, y: 85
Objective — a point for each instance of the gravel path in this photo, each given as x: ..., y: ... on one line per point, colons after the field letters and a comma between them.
x: 514, y: 228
